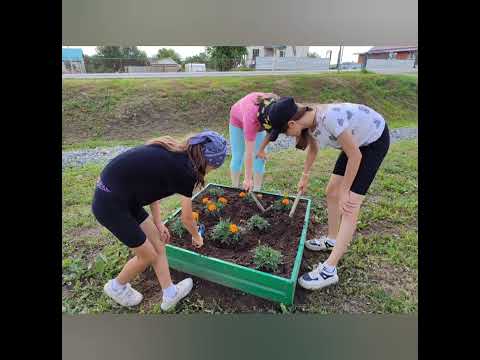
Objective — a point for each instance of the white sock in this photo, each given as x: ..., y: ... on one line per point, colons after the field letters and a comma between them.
x: 170, y: 292
x: 116, y: 286
x: 331, y: 241
x: 328, y: 268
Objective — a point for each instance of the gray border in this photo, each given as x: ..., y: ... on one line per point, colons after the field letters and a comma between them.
x: 239, y: 337
x: 245, y: 22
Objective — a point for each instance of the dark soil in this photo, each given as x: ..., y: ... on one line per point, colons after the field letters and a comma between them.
x: 282, y: 235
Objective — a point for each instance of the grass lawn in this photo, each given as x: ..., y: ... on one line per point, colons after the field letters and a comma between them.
x: 377, y: 275
x: 107, y: 112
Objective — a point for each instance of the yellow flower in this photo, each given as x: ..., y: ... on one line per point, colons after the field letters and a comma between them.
x: 285, y: 201
x: 205, y: 200
x: 212, y: 207
x: 223, y: 200
x: 233, y: 228
x: 196, y: 216
x: 242, y: 194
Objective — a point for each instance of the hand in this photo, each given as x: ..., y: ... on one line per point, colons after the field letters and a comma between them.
x: 247, y: 184
x: 345, y: 204
x: 302, y: 184
x: 197, y: 241
x: 164, y: 233
x: 262, y: 155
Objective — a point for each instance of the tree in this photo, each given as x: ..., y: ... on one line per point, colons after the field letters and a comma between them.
x: 114, y: 58
x: 169, y: 53
x: 225, y: 58
x: 201, y: 58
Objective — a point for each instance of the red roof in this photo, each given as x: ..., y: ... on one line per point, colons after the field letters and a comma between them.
x: 384, y: 49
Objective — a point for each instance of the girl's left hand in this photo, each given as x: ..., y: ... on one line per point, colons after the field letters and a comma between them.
x: 346, y: 206
x: 164, y: 233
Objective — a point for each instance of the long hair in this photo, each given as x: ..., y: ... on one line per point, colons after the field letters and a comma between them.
x: 194, y: 152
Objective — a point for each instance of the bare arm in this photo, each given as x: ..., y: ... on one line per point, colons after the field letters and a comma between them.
x: 312, y: 152
x: 156, y: 212
x: 157, y: 220
x: 187, y: 217
x: 261, y: 152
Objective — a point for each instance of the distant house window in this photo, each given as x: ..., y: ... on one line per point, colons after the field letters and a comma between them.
x: 282, y: 53
x: 391, y: 55
x: 256, y: 52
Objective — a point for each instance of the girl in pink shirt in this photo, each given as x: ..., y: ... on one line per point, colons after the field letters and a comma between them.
x: 246, y: 136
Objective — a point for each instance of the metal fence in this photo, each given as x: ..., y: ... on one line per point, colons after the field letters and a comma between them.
x: 124, y: 65
x: 291, y: 63
x: 390, y: 65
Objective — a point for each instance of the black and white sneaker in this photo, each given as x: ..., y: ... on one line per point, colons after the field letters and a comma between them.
x: 321, y: 244
x: 318, y: 278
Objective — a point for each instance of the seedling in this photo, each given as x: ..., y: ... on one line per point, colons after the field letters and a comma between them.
x: 267, y: 258
x: 226, y: 232
x: 256, y: 222
x: 177, y: 228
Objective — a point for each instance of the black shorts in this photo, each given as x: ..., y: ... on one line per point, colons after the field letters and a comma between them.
x: 120, y: 218
x: 372, y: 157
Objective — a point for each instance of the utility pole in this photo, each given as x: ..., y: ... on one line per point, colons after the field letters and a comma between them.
x: 339, y: 60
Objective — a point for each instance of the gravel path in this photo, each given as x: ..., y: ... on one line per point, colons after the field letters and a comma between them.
x: 102, y: 155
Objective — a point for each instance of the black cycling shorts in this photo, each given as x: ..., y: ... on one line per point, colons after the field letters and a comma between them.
x: 120, y: 218
x: 372, y: 157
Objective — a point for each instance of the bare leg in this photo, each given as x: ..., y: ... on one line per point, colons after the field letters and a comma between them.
x: 347, y: 229
x: 334, y: 213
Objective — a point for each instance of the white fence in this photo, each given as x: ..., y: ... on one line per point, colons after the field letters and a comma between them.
x: 391, y: 64
x: 291, y: 63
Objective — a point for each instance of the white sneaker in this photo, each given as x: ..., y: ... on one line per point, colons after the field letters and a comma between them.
x: 317, y: 279
x: 125, y: 297
x: 183, y: 288
x: 319, y: 244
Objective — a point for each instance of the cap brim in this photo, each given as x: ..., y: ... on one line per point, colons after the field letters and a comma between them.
x: 274, y: 134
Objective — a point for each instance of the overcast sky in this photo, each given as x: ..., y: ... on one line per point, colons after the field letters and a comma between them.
x: 185, y: 51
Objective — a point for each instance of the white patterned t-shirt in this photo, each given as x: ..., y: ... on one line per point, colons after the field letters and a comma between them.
x: 364, y: 123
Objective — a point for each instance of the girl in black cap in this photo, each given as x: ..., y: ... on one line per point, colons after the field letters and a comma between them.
x: 142, y: 176
x: 362, y: 135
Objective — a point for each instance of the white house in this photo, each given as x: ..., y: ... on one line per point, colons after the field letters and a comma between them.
x: 275, y: 51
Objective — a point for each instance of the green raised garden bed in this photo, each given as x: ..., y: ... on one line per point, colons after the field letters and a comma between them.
x: 259, y: 283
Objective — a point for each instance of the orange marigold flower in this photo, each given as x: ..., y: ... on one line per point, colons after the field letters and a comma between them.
x: 223, y: 200
x: 285, y: 201
x: 195, y: 216
x: 242, y: 194
x: 233, y: 228
x: 212, y: 207
x: 205, y: 200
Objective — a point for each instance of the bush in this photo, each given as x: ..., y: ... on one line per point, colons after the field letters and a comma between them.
x: 267, y: 258
x: 256, y: 222
x: 226, y: 233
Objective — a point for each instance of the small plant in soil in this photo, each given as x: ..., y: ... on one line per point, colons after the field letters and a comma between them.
x: 267, y: 258
x: 283, y: 204
x: 215, y: 192
x: 226, y: 233
x: 177, y: 228
x: 256, y: 222
x: 213, y: 208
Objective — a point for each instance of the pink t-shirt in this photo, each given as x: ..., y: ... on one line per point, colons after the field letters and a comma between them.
x: 243, y: 115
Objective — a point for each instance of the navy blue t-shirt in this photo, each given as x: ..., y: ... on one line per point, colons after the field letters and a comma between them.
x: 149, y: 173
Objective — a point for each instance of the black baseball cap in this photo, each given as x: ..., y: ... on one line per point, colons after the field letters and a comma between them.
x: 278, y: 115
